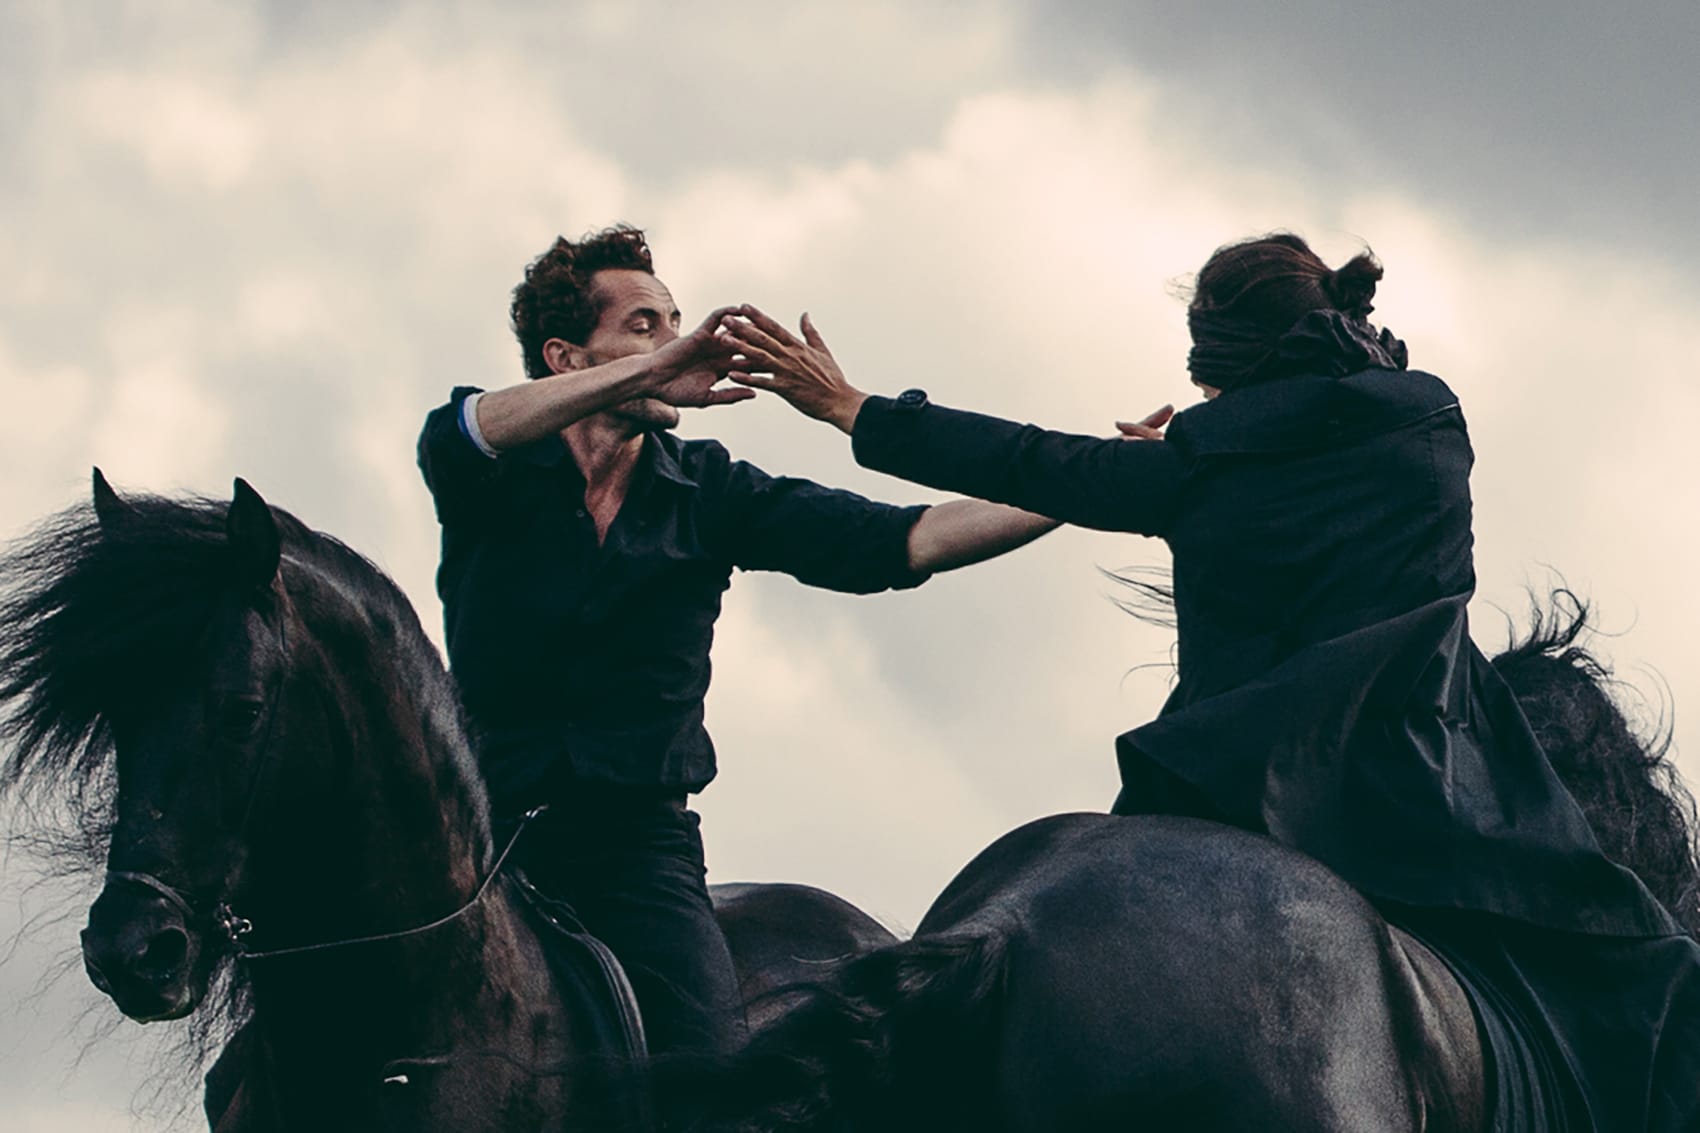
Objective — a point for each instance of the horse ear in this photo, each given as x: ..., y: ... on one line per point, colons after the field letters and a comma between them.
x: 253, y: 536
x: 109, y: 507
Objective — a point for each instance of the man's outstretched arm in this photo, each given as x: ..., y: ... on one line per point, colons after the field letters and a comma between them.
x: 962, y: 532
x: 684, y: 373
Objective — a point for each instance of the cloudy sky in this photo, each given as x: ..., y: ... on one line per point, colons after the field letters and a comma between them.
x: 263, y: 239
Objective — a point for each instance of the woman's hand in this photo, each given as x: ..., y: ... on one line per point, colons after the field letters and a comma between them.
x: 1149, y: 428
x: 802, y: 372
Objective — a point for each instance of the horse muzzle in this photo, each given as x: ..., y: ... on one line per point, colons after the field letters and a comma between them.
x: 138, y: 950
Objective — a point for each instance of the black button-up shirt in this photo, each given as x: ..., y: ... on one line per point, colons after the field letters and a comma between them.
x: 580, y: 661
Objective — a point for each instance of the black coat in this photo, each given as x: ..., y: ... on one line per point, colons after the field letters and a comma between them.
x: 1327, y: 690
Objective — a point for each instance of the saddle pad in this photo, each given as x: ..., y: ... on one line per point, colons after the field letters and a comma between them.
x: 598, y: 998
x: 1527, y: 1093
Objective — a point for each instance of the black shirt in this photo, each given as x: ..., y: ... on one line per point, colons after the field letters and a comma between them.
x: 579, y: 661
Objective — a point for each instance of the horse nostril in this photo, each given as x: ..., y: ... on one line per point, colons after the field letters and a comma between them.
x: 163, y: 955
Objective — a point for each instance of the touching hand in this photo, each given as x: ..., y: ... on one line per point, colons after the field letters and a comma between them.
x: 688, y: 369
x: 803, y: 372
x: 1148, y: 428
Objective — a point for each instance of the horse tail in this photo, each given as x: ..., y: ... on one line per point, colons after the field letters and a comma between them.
x: 896, y: 1039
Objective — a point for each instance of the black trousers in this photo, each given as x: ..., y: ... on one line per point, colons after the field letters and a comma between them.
x: 630, y: 862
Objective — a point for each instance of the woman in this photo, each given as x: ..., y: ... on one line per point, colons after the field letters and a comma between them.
x: 1317, y: 506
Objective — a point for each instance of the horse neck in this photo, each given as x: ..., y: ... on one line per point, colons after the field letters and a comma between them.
x: 401, y: 841
x: 389, y: 827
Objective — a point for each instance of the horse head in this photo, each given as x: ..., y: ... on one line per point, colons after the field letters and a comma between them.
x: 192, y: 754
x: 243, y: 719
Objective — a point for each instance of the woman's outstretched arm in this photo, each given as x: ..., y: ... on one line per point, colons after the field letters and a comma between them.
x: 1108, y: 484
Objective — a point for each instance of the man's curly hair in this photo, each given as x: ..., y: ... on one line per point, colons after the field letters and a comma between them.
x: 555, y: 300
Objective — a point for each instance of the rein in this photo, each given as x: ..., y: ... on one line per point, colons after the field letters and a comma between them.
x: 236, y: 928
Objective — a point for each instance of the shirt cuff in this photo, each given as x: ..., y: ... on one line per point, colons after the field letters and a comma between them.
x: 469, y: 425
x: 882, y: 429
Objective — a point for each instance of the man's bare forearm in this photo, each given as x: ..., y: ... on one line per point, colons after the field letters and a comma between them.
x: 518, y: 415
x: 961, y: 532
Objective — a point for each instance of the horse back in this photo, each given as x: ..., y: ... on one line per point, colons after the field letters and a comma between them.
x: 1190, y: 975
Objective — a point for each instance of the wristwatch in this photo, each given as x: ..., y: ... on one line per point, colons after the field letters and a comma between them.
x: 912, y: 400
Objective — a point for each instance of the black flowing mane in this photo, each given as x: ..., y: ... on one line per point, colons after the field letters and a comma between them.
x: 95, y: 617
x: 1624, y: 779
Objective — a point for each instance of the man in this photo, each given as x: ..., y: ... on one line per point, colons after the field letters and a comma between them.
x: 585, y: 550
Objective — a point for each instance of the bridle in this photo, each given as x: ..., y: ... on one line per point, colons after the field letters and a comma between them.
x: 235, y: 927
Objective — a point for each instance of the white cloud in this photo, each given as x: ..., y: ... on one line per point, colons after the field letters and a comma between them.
x: 190, y: 137
x: 46, y: 413
x: 165, y: 431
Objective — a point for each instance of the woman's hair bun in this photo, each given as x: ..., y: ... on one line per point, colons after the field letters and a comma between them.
x: 1351, y: 286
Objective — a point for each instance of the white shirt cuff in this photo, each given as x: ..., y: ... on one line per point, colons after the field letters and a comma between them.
x: 469, y: 425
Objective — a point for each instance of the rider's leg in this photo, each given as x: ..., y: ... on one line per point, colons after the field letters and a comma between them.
x: 631, y: 863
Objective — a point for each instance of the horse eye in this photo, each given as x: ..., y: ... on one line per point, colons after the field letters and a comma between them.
x: 237, y: 718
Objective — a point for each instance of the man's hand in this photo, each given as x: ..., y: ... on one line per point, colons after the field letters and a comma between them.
x: 686, y: 370
x: 1149, y: 428
x: 802, y: 372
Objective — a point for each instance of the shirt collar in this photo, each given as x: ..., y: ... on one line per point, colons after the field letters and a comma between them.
x: 661, y: 453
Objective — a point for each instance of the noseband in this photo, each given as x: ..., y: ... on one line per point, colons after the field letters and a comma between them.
x: 160, y: 889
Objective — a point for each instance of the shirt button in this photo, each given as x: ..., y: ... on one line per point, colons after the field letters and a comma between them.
x: 580, y: 513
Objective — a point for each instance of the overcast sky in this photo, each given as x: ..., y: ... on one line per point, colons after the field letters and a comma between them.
x: 264, y: 239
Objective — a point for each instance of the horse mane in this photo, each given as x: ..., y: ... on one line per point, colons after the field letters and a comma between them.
x: 94, y: 620
x: 98, y: 617
x: 1622, y: 777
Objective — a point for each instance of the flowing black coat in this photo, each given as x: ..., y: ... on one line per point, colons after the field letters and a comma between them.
x: 1327, y: 690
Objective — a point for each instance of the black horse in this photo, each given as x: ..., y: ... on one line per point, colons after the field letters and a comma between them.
x: 1089, y: 972
x: 247, y: 718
